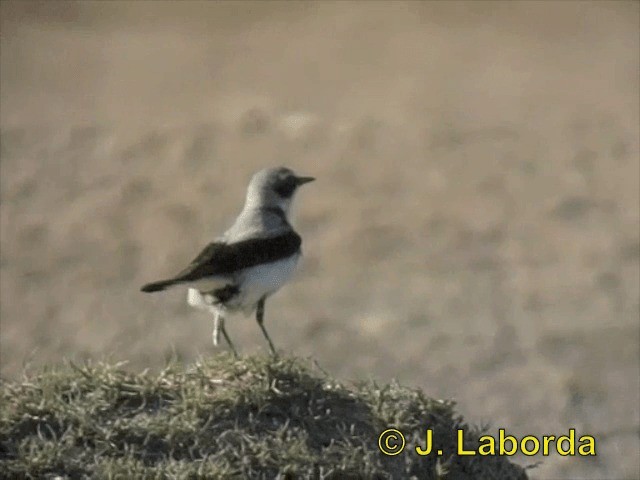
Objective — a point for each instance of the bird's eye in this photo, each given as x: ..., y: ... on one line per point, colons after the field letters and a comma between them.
x: 286, y: 186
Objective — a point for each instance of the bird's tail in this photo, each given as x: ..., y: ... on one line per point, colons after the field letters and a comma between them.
x: 158, y: 286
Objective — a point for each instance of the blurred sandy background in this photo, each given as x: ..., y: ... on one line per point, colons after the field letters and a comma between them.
x: 473, y: 231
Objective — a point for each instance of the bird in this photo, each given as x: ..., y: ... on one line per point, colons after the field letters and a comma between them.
x: 251, y: 261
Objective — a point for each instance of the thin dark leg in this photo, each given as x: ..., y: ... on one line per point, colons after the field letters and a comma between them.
x: 226, y: 337
x: 260, y: 319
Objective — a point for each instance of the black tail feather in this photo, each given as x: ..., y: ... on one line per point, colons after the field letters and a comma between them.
x: 157, y: 286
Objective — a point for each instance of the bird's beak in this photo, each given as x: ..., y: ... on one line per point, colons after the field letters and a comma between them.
x: 303, y: 180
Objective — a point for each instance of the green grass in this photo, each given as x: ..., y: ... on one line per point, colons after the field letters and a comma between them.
x: 224, y: 418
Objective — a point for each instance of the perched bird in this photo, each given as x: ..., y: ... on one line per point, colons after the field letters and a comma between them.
x: 250, y: 261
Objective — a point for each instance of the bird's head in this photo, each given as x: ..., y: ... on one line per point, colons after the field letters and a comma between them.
x: 274, y: 187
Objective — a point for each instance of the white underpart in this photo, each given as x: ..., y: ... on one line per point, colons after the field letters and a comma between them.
x: 261, y: 280
x: 254, y: 283
x: 196, y: 300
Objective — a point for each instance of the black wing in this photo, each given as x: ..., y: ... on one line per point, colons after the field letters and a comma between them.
x: 219, y: 258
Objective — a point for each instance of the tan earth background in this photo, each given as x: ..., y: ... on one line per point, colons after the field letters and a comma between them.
x: 474, y: 229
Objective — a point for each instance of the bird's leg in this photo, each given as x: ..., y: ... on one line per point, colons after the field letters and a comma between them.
x: 260, y: 319
x: 218, y: 326
x: 226, y: 337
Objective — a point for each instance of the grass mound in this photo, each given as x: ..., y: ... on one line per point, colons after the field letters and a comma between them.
x: 224, y: 418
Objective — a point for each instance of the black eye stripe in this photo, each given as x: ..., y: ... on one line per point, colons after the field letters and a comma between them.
x: 285, y: 186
